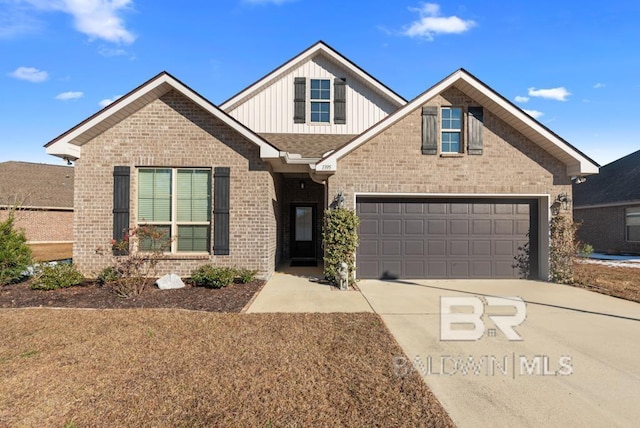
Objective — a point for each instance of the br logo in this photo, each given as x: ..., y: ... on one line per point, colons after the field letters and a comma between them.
x: 465, y: 312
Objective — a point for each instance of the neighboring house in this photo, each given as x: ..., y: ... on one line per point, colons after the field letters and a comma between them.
x: 448, y: 185
x: 608, y: 206
x: 42, y: 196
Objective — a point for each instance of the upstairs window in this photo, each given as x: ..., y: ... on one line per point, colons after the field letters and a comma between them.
x: 632, y: 222
x: 320, y: 97
x: 451, y: 129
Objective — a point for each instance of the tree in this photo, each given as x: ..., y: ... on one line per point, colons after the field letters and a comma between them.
x: 15, y: 254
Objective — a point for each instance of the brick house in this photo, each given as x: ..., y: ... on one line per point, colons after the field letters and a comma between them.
x: 608, y: 206
x: 43, y: 198
x: 448, y: 185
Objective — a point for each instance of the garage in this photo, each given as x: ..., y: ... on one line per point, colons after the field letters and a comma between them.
x: 445, y: 238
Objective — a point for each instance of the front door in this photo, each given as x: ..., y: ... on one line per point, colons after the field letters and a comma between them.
x: 303, y: 231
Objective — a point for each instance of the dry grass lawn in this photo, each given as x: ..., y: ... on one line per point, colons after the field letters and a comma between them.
x: 48, y: 252
x: 180, y: 368
x: 623, y: 282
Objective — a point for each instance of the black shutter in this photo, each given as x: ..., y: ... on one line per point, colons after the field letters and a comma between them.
x: 429, y: 130
x: 299, y: 99
x: 121, y: 191
x: 339, y: 101
x: 221, y: 210
x: 475, y: 126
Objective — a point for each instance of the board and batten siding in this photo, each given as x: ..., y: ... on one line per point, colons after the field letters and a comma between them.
x: 271, y: 110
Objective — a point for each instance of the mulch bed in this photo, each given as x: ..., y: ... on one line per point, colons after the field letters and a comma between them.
x: 90, y: 295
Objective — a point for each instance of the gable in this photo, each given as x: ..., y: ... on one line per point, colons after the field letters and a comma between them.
x: 281, y: 101
x: 576, y: 163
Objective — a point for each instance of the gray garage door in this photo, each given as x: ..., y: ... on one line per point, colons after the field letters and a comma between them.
x: 438, y: 238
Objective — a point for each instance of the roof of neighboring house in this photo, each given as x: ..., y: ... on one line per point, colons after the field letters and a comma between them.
x: 307, y: 145
x: 577, y: 162
x: 618, y: 181
x: 36, y: 185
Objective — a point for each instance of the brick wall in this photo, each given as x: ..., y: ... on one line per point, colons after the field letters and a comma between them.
x: 604, y: 229
x: 174, y: 132
x: 43, y: 225
x: 392, y: 162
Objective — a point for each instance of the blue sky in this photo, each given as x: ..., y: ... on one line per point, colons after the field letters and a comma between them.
x: 572, y: 64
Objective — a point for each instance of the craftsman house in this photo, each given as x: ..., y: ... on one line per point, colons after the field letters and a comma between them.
x: 448, y: 185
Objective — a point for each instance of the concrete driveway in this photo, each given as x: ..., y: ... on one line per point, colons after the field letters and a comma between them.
x: 578, y: 363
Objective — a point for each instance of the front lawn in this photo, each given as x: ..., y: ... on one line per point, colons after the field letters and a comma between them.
x: 623, y: 282
x: 162, y: 367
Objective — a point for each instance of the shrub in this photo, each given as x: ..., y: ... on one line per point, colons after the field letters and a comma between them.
x: 523, y: 260
x: 108, y: 275
x: 245, y: 275
x: 340, y: 238
x: 213, y: 277
x: 585, y: 250
x: 563, y: 248
x: 54, y: 276
x: 15, y: 255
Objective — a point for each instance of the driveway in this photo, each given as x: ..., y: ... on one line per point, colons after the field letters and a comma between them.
x: 578, y: 363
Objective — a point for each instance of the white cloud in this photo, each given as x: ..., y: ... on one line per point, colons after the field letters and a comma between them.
x: 521, y: 99
x: 108, y: 52
x: 559, y: 94
x: 71, y: 95
x: 30, y: 74
x: 533, y: 113
x: 98, y: 19
x: 108, y: 101
x: 599, y: 85
x: 431, y: 23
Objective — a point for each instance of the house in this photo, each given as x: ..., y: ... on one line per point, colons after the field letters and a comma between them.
x: 608, y: 207
x: 448, y: 185
x: 42, y: 196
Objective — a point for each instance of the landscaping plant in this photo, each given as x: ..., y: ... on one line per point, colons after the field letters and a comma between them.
x: 340, y: 239
x: 564, y: 247
x: 55, y: 276
x: 210, y: 276
x: 15, y: 255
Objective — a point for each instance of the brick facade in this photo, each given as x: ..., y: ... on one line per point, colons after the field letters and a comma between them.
x: 604, y: 229
x: 392, y: 162
x: 43, y: 225
x: 172, y: 131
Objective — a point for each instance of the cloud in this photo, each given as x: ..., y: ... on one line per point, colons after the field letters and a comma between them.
x: 533, y: 113
x: 15, y: 20
x: 599, y: 85
x: 431, y: 23
x: 521, y: 99
x: 30, y: 74
x: 98, y: 19
x: 108, y: 101
x: 71, y: 95
x: 559, y: 94
x: 109, y: 52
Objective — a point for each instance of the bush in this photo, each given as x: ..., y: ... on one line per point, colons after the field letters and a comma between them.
x: 213, y: 277
x: 60, y: 275
x: 563, y: 248
x: 585, y: 250
x: 15, y: 255
x: 244, y: 276
x: 340, y: 238
x: 108, y: 275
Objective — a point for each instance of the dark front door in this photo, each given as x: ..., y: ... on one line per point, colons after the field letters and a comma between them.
x: 303, y: 231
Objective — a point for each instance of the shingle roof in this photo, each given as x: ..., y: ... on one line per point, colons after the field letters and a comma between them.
x: 618, y: 181
x: 36, y: 184
x: 307, y: 145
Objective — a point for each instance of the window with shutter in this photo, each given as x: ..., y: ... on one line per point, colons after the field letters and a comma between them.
x: 320, y: 98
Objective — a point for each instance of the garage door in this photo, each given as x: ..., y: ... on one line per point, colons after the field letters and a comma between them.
x: 444, y: 238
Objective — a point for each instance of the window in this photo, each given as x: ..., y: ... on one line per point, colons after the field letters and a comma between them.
x: 451, y: 129
x: 633, y: 224
x: 177, y: 201
x: 320, y: 98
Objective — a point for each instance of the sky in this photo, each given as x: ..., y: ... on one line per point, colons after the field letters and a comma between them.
x: 572, y: 65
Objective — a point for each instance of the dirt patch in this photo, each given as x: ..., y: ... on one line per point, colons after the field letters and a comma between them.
x: 623, y: 282
x: 229, y: 299
x: 158, y: 367
x: 49, y: 252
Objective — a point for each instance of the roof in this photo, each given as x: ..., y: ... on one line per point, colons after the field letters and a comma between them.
x: 68, y: 145
x: 36, y: 185
x: 618, y: 182
x: 307, y: 145
x: 577, y: 162
x: 319, y: 48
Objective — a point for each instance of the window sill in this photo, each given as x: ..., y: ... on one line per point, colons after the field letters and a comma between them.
x: 186, y: 256
x: 451, y: 155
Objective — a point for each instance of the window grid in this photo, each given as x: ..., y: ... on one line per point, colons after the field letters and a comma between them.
x: 179, y: 225
x: 320, y: 96
x: 451, y: 129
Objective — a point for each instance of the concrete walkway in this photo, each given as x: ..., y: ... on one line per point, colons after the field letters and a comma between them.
x: 299, y: 289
